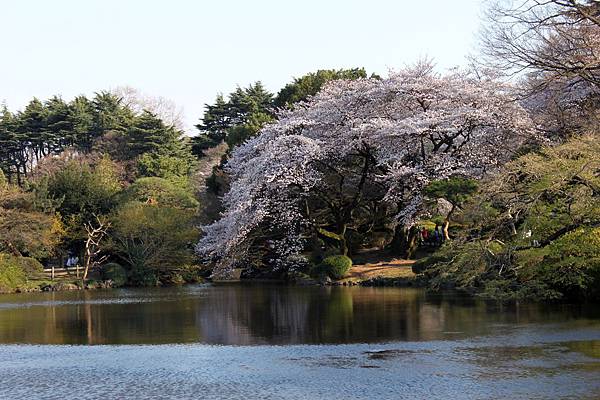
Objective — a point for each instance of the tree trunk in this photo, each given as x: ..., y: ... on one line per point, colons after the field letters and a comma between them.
x: 343, y: 241
x: 404, y: 242
x: 445, y: 226
x: 446, y: 222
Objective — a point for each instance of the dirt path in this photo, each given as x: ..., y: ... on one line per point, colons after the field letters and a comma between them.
x: 393, y: 268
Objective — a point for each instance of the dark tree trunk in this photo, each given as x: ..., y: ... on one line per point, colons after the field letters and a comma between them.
x: 343, y: 240
x: 405, y: 241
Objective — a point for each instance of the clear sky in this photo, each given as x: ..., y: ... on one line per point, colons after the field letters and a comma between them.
x: 189, y: 50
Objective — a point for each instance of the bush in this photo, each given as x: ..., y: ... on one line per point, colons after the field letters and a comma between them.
x: 139, y: 275
x: 465, y: 266
x: 192, y: 273
x: 335, y: 267
x: 571, y: 265
x: 30, y: 266
x: 11, y: 273
x: 159, y: 191
x: 115, y: 273
x: 155, y: 240
x: 175, y: 169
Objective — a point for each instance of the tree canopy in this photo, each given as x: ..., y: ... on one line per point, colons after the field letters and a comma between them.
x: 359, y: 148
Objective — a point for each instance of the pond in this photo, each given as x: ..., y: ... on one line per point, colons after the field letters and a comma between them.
x: 286, y: 342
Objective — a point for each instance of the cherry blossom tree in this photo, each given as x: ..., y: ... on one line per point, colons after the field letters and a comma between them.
x: 359, y: 153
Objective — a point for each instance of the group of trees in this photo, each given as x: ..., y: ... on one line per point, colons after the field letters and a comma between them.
x: 503, y: 156
x: 102, y: 124
x: 362, y: 158
x: 100, y: 180
x: 111, y: 179
x: 533, y: 228
x: 355, y: 159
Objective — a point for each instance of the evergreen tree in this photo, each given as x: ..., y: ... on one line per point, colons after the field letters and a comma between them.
x: 109, y: 114
x: 82, y: 121
x: 242, y: 116
x: 31, y: 127
x: 9, y: 144
x: 213, y: 128
x: 310, y: 84
x: 149, y: 134
x: 59, y: 124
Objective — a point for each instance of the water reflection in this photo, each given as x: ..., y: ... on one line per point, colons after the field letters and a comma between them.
x: 266, y: 314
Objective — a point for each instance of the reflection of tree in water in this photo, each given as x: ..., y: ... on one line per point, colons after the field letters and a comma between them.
x: 281, y: 315
x: 253, y: 315
x: 98, y: 317
x: 265, y: 314
x: 246, y: 315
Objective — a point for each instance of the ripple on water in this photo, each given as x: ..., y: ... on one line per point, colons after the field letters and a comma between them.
x: 274, y: 342
x: 392, y: 371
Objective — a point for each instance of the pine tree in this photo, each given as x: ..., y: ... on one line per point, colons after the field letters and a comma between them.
x: 31, y: 127
x: 149, y: 134
x: 59, y: 124
x: 82, y: 121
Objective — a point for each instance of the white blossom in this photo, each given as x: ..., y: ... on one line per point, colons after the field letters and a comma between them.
x: 418, y: 125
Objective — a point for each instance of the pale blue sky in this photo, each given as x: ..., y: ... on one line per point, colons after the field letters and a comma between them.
x: 189, y: 51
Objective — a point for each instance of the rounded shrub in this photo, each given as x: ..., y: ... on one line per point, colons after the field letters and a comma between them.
x: 335, y: 267
x: 142, y: 276
x: 115, y: 273
x: 11, y: 273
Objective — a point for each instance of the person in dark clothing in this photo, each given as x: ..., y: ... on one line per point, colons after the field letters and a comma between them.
x: 437, y: 235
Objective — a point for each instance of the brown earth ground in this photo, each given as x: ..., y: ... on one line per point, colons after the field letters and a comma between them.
x: 373, y: 264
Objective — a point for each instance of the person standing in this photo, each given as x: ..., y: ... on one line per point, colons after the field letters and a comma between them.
x: 424, y: 236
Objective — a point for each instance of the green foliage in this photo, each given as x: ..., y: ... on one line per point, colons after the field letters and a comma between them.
x: 24, y: 228
x: 12, y: 274
x: 84, y: 188
x: 148, y: 133
x: 153, y: 240
x: 30, y: 266
x: 114, y: 272
x: 15, y: 271
x: 109, y: 114
x: 175, y: 169
x: 463, y: 266
x: 158, y: 191
x: 571, y: 265
x: 240, y: 117
x: 543, y: 208
x: 455, y: 189
x: 335, y: 267
x: 310, y: 84
x: 238, y: 134
x: 192, y: 273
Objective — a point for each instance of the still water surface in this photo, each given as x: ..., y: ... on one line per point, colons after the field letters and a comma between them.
x: 278, y: 342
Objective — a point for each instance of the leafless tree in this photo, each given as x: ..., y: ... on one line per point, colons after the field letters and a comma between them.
x: 95, y: 233
x: 165, y: 109
x: 553, y: 48
x: 558, y: 38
